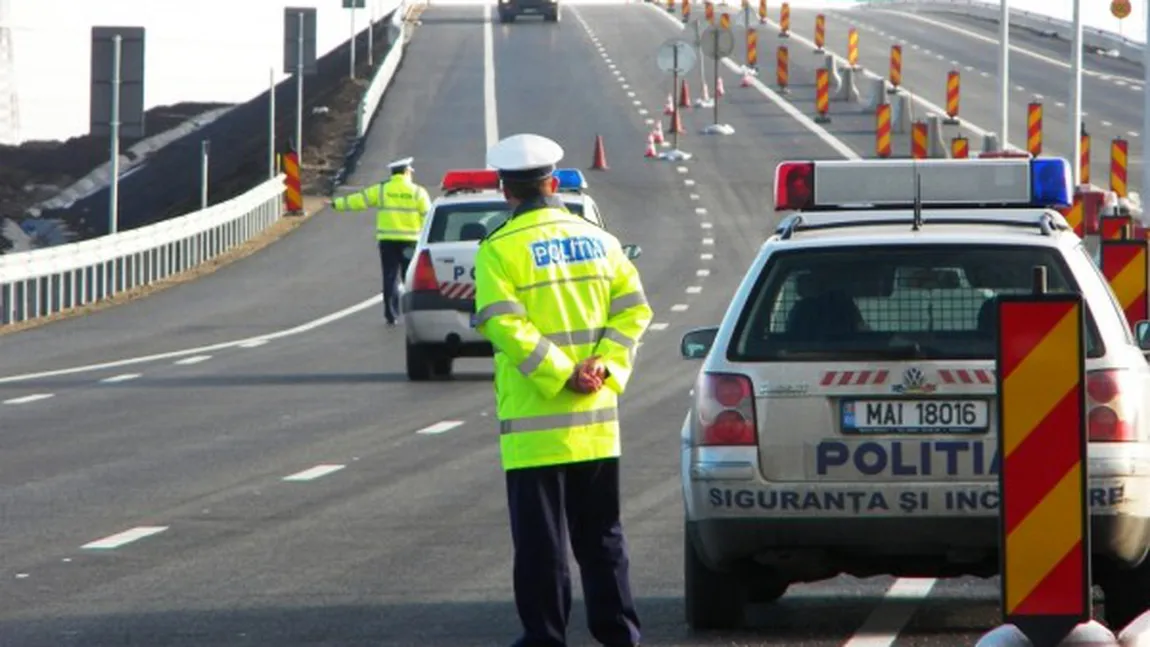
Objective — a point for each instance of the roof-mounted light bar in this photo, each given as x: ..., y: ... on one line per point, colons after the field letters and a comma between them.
x: 570, y: 179
x: 890, y: 184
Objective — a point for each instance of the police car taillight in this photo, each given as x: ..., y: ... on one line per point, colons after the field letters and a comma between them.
x: 794, y: 186
x: 424, y: 279
x: 470, y: 180
x: 726, y: 409
x: 1111, y: 406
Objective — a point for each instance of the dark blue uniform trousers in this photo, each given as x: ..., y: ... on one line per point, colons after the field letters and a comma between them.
x: 545, y: 504
x: 394, y: 264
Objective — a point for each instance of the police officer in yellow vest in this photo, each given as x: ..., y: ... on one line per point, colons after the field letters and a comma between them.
x: 564, y: 308
x: 402, y: 205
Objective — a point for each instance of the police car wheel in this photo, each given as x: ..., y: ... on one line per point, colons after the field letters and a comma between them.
x: 442, y: 366
x: 552, y: 17
x: 713, y: 600
x: 419, y: 363
x: 506, y: 16
x: 1127, y: 595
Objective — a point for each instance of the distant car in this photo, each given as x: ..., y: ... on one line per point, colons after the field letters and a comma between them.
x: 438, y: 303
x: 845, y: 416
x: 510, y: 9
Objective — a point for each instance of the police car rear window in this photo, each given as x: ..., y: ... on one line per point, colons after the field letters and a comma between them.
x: 463, y: 222
x: 889, y: 302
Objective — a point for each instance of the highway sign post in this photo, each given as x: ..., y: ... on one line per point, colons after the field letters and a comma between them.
x: 1044, y: 515
x: 353, y: 5
x: 116, y: 106
x: 299, y: 58
x: 1075, y: 92
x: 718, y: 43
x: 677, y: 57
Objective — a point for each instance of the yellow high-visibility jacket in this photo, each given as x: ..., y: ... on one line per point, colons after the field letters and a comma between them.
x: 552, y: 289
x: 402, y: 205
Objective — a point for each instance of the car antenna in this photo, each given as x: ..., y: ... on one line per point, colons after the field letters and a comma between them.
x: 917, y: 223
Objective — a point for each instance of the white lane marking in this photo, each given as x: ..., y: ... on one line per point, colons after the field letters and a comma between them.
x: 694, y: 196
x: 1120, y: 83
x: 253, y: 343
x: 1106, y: 124
x: 659, y: 326
x: 490, y: 123
x: 302, y: 328
x: 313, y: 473
x: 631, y: 94
x: 1039, y: 97
x: 985, y: 74
x: 681, y: 169
x: 611, y: 66
x: 705, y: 225
x: 702, y: 272
x: 679, y: 307
x: 694, y: 289
x: 994, y: 41
x: 643, y: 111
x: 196, y: 359
x: 1020, y: 88
x: 969, y: 68
x: 700, y: 211
x: 126, y: 537
x: 29, y: 398
x: 649, y: 122
x: 22, y: 576
x: 1132, y: 133
x: 627, y: 86
x: 940, y: 57
x: 440, y: 427
x: 706, y: 257
x: 882, y: 626
x: 689, y: 182
x: 1060, y: 104
x: 708, y: 241
x: 636, y: 102
x: 123, y: 377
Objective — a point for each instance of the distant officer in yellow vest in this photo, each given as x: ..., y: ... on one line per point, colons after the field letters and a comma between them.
x: 402, y: 205
x: 564, y: 308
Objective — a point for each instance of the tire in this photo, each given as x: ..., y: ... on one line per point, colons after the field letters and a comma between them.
x: 505, y: 17
x: 419, y: 363
x: 713, y: 600
x: 1127, y: 595
x: 552, y: 17
x: 441, y: 366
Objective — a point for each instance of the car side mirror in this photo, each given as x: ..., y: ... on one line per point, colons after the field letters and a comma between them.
x: 632, y: 251
x: 697, y: 343
x: 1142, y: 334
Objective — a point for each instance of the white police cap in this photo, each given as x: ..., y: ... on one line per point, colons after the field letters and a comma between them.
x: 525, y: 157
x: 400, y: 165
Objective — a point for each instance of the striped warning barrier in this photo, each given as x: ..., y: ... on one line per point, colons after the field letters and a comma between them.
x: 1034, y: 128
x: 1118, y: 150
x: 709, y: 12
x: 918, y: 135
x: 1117, y: 225
x: 686, y: 10
x: 670, y: 5
x: 725, y: 21
x: 293, y: 196
x: 953, y: 88
x: 1125, y: 266
x: 1084, y: 161
x: 853, y: 47
x: 762, y: 12
x: 1044, y: 517
x: 785, y: 20
x: 752, y: 48
x: 783, y: 68
x: 959, y: 147
x: 820, y: 33
x: 1074, y: 215
x: 822, y: 95
x: 896, y: 66
x: 882, y: 130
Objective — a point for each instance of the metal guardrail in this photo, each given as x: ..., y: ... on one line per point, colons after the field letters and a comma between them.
x: 43, y: 282
x: 369, y: 103
x: 1092, y: 37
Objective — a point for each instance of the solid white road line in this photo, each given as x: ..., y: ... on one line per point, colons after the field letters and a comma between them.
x: 314, y: 473
x: 679, y: 307
x: 440, y: 427
x: 659, y: 326
x: 29, y: 398
x: 253, y: 343
x: 490, y: 124
x: 882, y: 626
x: 116, y: 379
x: 187, y: 361
x: 126, y: 537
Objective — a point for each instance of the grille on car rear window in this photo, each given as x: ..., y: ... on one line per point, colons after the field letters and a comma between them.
x: 889, y: 302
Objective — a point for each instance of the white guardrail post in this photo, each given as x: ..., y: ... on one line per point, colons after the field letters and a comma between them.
x: 369, y: 103
x: 43, y: 282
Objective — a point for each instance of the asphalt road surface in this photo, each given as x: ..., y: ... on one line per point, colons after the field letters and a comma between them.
x: 241, y: 461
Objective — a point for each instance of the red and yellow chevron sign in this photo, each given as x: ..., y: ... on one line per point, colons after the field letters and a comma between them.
x: 783, y: 67
x: 1034, y: 128
x: 762, y: 11
x: 1042, y: 479
x: 896, y: 65
x: 725, y: 21
x: 1084, y: 161
x: 752, y: 47
x: 1075, y: 215
x: 1125, y: 266
x: 882, y: 130
x: 853, y: 47
x: 1115, y: 227
x: 1118, y: 150
x: 686, y: 9
x: 820, y: 31
x: 822, y: 92
x: 709, y: 12
x: 952, y: 92
x: 918, y: 140
x: 959, y: 148
x: 293, y: 199
x: 785, y: 19
x: 670, y: 5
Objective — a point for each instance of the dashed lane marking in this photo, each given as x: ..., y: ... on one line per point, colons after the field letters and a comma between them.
x: 659, y: 326
x: 702, y: 272
x: 195, y: 359
x: 705, y: 225
x: 313, y: 473
x: 122, y: 538
x: 679, y: 307
x: 440, y: 427
x: 694, y: 289
x: 694, y: 196
x: 883, y: 625
x: 689, y: 182
x: 643, y: 111
x: 706, y: 257
x: 123, y: 377
x: 35, y: 397
x: 700, y: 211
x: 682, y: 169
x: 708, y: 241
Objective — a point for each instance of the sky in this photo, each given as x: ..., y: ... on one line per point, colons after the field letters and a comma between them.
x: 204, y: 50
x: 224, y: 50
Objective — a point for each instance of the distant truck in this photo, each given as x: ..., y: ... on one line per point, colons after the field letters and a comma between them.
x: 509, y: 9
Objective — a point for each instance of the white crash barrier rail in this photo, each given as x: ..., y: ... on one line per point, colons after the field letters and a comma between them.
x: 369, y: 103
x: 1092, y: 37
x: 43, y: 282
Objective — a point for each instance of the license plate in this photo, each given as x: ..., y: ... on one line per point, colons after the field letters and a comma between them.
x: 915, y: 416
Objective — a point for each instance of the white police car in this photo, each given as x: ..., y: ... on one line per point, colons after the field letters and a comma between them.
x: 844, y: 418
x: 439, y: 298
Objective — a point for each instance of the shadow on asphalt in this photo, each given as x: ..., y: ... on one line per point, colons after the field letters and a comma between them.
x: 805, y: 620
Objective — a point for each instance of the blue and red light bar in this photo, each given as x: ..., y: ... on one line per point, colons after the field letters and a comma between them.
x: 839, y: 184
x: 570, y: 179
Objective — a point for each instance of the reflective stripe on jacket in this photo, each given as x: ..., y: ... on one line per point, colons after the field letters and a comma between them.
x: 551, y: 290
x: 402, y: 205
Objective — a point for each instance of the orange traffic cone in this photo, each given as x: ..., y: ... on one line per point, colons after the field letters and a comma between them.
x: 658, y: 133
x: 669, y: 107
x: 650, y: 146
x: 719, y: 92
x: 684, y: 96
x: 677, y: 123
x: 600, y: 162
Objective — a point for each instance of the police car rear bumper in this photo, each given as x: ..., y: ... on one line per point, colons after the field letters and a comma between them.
x: 431, y: 318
